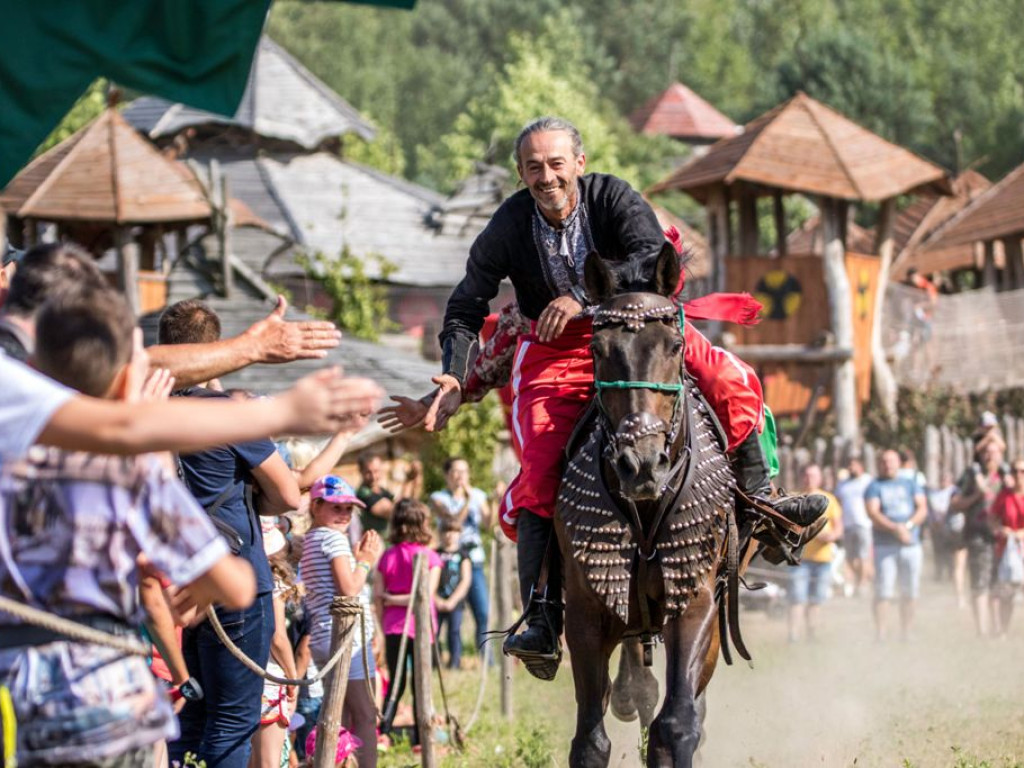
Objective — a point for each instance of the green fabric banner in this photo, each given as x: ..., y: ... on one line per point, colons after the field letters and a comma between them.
x: 770, y: 442
x: 198, y: 52
x: 195, y: 51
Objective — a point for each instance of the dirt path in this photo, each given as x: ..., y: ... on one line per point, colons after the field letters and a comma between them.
x: 846, y: 700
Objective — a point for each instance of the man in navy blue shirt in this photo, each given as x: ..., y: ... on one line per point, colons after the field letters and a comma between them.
x: 897, y: 507
x: 233, y: 483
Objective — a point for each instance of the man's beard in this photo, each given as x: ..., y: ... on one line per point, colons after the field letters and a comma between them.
x: 558, y: 203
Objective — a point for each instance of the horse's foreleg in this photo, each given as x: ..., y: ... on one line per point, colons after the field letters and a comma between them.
x: 590, y: 648
x: 635, y: 688
x: 675, y: 732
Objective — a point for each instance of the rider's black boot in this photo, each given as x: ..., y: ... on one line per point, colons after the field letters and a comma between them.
x: 540, y: 646
x: 752, y: 478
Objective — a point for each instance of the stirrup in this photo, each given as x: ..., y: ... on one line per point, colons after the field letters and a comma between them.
x: 541, y: 665
x: 779, y: 545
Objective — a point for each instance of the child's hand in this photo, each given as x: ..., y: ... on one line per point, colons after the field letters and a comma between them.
x: 369, y: 548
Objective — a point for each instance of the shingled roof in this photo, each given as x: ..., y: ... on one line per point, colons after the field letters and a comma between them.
x: 324, y: 203
x: 804, y: 146
x: 996, y: 213
x: 682, y: 114
x: 106, y: 172
x: 283, y: 100
x: 924, y: 217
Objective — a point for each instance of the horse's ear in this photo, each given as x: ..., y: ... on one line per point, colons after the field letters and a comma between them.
x: 598, y: 278
x: 667, y: 269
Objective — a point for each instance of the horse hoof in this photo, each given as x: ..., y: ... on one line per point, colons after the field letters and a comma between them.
x: 623, y: 709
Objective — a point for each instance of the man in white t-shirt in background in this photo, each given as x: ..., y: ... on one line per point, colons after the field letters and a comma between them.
x: 856, y: 523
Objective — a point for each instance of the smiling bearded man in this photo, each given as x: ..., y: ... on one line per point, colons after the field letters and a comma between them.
x: 539, y: 238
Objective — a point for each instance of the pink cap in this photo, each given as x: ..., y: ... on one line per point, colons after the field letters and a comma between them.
x: 333, y: 489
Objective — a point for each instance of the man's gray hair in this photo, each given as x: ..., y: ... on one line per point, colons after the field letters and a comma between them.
x: 543, y: 124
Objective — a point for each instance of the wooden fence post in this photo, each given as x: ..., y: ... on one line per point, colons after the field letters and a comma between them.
x: 422, y: 659
x: 503, y: 573
x: 870, y: 459
x: 345, y: 612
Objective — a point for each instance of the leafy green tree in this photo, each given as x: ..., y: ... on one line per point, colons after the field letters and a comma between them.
x: 359, y: 301
x: 471, y: 434
x: 89, y: 106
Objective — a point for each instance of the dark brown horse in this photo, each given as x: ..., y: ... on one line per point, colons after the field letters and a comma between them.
x: 644, y: 517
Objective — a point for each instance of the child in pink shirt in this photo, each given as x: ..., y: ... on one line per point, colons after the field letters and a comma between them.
x: 410, y: 535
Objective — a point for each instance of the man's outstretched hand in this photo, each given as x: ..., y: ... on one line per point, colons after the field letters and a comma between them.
x: 446, y: 403
x: 406, y: 413
x: 277, y: 340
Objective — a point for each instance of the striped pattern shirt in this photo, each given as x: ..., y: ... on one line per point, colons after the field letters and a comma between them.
x: 320, y: 547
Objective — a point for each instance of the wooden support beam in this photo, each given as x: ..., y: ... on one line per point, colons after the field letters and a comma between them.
x: 779, y: 214
x: 128, y: 268
x: 792, y: 353
x: 881, y: 372
x: 421, y: 666
x: 837, y: 284
x: 1014, y: 257
x: 749, y: 236
x: 718, y: 246
x: 988, y: 270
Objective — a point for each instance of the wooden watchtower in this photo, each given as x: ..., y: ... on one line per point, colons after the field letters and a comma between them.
x: 820, y: 313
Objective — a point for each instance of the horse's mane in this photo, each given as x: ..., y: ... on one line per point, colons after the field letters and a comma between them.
x: 637, y: 275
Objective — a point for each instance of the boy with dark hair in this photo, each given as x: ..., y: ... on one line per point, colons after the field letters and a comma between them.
x: 72, y: 528
x: 42, y: 273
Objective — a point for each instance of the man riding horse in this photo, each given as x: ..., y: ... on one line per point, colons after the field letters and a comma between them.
x: 539, y: 238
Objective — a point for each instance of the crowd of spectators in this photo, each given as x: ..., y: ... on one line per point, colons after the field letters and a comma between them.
x: 154, y: 496
x: 975, y: 523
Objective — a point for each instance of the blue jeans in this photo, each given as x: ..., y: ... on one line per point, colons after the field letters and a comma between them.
x: 477, y: 599
x: 218, y: 728
x: 454, y: 636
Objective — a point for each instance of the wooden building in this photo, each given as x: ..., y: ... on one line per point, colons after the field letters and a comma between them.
x: 817, y: 344
x: 283, y: 154
x: 108, y: 188
x: 681, y: 114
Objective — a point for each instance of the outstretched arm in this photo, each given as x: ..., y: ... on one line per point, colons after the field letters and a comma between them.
x: 271, y: 340
x: 319, y: 403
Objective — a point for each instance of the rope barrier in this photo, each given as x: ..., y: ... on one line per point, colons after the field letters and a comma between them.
x: 341, y: 606
x: 72, y: 629
x: 492, y: 595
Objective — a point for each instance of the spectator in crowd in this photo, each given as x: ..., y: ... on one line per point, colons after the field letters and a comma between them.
x: 330, y: 567
x: 1008, y: 521
x: 74, y: 528
x: 976, y: 489
x: 897, y: 508
x: 811, y: 582
x: 910, y: 470
x: 456, y: 577
x: 41, y: 274
x: 278, y: 701
x: 946, y: 534
x: 377, y: 500
x: 234, y: 484
x: 856, y: 523
x: 409, y: 536
x: 460, y: 501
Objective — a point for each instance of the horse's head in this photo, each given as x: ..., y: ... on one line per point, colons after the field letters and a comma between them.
x: 638, y: 367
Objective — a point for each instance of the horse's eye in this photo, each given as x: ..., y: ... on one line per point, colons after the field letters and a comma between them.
x: 677, y: 347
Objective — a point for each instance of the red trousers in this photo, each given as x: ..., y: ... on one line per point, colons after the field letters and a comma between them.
x: 553, y: 383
